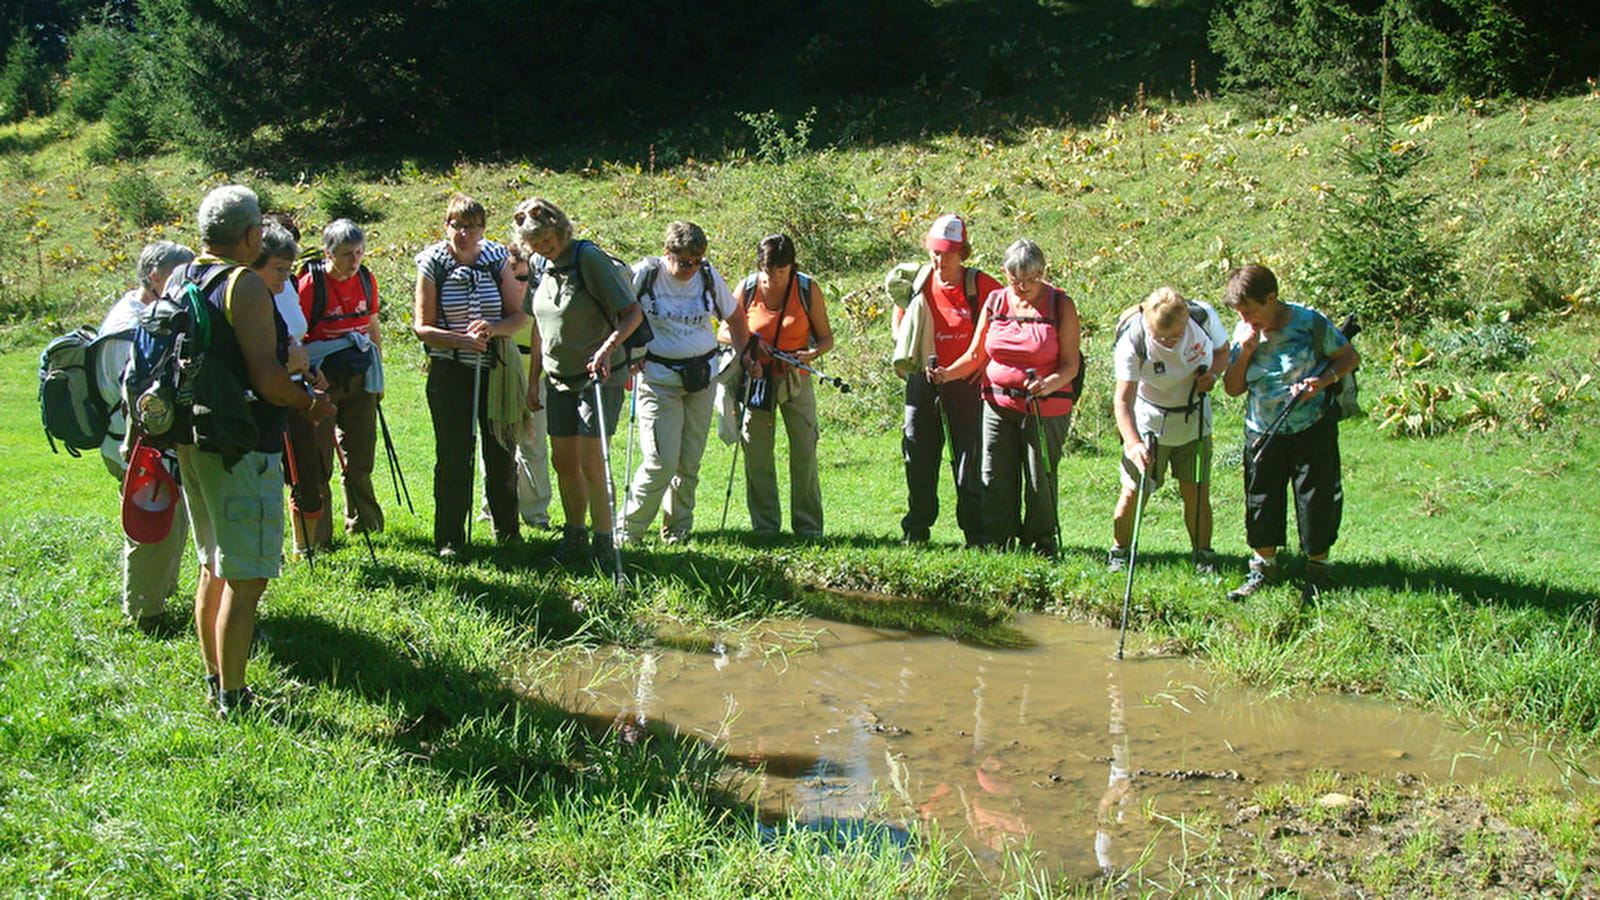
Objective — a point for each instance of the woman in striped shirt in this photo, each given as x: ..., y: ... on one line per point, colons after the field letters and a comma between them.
x: 466, y: 295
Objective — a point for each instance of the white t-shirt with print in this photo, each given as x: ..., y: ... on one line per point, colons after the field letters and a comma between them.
x: 1166, y: 376
x: 680, y: 314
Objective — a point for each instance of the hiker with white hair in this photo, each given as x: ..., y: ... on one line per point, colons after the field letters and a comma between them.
x: 149, y: 570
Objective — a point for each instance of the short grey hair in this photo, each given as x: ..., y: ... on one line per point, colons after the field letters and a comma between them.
x: 227, y: 214
x: 158, y: 256
x: 1023, y: 259
x: 277, y: 242
x: 685, y: 239
x: 339, y: 233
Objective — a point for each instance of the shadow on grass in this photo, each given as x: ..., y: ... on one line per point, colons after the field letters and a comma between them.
x: 468, y: 723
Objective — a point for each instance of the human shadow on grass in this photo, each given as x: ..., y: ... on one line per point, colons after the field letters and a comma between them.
x: 468, y: 723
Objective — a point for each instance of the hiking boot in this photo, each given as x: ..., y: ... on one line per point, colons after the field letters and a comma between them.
x: 1117, y: 559
x: 448, y: 553
x: 213, y: 687
x: 1319, y: 578
x: 916, y: 536
x: 603, y: 550
x: 574, y: 546
x: 1262, y: 574
x: 1205, y: 561
x: 232, y: 704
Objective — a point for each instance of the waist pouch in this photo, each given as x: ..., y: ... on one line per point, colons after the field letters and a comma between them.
x: 695, y: 371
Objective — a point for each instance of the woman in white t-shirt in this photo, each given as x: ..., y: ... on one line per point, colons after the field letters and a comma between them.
x: 1168, y: 355
x: 681, y: 294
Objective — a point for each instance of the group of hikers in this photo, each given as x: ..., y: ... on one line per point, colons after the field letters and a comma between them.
x: 532, y: 344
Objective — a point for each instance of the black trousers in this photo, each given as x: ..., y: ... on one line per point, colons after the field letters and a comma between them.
x: 1309, y: 461
x: 450, y: 403
x: 930, y: 408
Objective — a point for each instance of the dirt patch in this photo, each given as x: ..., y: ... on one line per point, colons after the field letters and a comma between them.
x: 1367, y: 844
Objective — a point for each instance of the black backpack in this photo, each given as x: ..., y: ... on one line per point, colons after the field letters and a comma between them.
x: 319, y: 292
x: 175, y: 391
x: 70, y: 405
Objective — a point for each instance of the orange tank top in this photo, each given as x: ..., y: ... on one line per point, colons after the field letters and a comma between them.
x: 788, y: 327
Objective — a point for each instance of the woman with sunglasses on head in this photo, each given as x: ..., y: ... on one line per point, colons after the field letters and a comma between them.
x: 466, y: 296
x: 584, y: 310
x: 681, y: 294
x: 1026, y: 341
x: 785, y: 312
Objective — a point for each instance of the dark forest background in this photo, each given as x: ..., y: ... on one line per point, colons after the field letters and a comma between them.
x: 273, y: 83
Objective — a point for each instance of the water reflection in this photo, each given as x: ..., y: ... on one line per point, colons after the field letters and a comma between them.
x: 1055, y: 744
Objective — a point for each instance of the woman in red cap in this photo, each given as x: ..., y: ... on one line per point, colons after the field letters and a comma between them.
x: 941, y: 302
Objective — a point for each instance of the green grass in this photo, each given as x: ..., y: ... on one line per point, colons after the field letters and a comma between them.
x: 403, y: 753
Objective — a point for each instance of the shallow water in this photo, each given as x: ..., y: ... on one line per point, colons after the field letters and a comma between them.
x: 1058, y: 744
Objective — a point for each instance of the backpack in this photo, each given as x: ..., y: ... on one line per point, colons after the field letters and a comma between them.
x: 1075, y: 389
x: 70, y: 405
x: 747, y: 289
x: 970, y: 285
x: 1132, y: 318
x: 1344, y: 397
x: 319, y: 292
x: 651, y: 272
x: 633, y: 346
x: 169, y: 350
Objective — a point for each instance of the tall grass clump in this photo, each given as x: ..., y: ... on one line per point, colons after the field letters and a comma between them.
x: 339, y: 198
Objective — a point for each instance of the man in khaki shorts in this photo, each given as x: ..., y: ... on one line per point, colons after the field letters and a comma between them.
x: 236, y: 505
x: 1169, y: 352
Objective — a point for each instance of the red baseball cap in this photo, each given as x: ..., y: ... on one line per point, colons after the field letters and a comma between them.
x: 149, y: 497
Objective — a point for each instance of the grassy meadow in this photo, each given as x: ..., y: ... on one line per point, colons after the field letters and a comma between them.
x: 406, y: 750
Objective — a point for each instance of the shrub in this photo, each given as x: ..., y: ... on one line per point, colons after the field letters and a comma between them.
x: 1493, y: 347
x: 1371, y: 255
x: 137, y: 199
x: 26, y: 87
x: 340, y: 199
x: 98, y: 68
x: 806, y: 198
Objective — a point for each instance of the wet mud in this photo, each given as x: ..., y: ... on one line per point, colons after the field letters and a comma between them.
x: 1096, y: 766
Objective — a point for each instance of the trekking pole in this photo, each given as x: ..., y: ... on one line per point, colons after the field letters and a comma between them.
x: 727, y: 497
x: 344, y: 474
x: 294, y: 484
x: 627, y: 466
x: 791, y: 359
x: 1044, y: 457
x: 1349, y: 329
x: 611, y: 493
x: 472, y: 445
x: 1133, y: 547
x: 396, y: 475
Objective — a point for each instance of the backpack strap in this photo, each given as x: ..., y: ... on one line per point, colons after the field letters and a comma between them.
x: 707, y: 285
x: 972, y: 291
x: 319, y: 293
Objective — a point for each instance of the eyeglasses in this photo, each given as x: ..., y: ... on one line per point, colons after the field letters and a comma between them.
x: 690, y: 264
x: 464, y: 226
x: 1023, y: 284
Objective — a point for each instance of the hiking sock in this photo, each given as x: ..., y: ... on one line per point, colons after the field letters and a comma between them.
x: 1263, y: 573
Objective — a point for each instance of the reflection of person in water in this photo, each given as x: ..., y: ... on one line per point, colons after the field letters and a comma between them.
x: 991, y: 810
x: 1109, y: 815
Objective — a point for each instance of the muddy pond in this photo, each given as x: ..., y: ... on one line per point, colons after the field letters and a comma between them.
x: 1056, y: 745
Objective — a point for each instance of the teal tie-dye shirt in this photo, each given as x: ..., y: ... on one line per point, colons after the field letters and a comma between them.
x: 1284, y: 358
